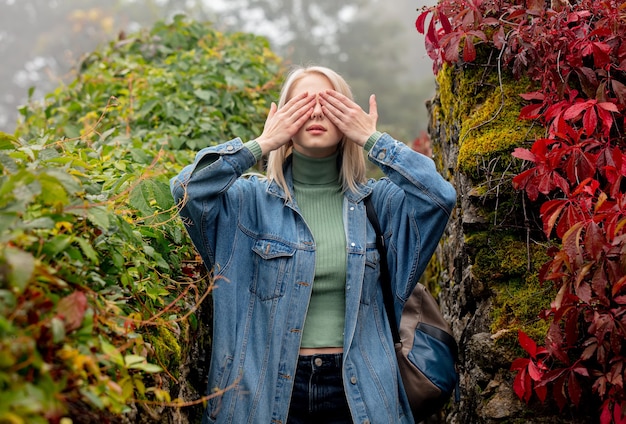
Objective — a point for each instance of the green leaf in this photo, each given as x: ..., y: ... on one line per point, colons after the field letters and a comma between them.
x: 8, y: 142
x: 56, y: 245
x: 100, y: 217
x: 112, y: 353
x: 21, y: 267
x: 204, y: 95
x: 87, y: 249
x: 140, y: 198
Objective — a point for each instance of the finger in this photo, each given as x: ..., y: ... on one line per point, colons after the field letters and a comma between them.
x: 272, y: 111
x: 298, y: 102
x: 373, y: 106
x: 334, y: 114
x: 336, y: 99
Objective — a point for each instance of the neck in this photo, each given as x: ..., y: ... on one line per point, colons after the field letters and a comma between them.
x: 315, y: 171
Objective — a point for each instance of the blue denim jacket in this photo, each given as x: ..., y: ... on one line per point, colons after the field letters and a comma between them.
x: 262, y: 255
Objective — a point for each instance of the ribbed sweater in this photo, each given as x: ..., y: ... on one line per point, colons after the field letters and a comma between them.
x: 317, y: 190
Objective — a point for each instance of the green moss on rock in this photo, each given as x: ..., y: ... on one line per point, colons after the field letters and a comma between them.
x: 167, y: 349
x: 508, y: 268
x: 487, y: 105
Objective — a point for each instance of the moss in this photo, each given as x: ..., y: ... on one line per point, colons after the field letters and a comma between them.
x: 508, y: 267
x: 487, y: 106
x: 167, y: 349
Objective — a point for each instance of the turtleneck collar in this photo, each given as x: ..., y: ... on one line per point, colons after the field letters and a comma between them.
x: 315, y: 171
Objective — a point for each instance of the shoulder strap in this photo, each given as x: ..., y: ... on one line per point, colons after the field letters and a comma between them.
x: 384, y: 270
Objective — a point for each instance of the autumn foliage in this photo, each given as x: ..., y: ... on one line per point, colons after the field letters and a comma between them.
x: 576, y: 54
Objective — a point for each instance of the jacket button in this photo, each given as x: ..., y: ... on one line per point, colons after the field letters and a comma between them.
x: 353, y: 380
x: 229, y: 148
x: 366, y: 422
x: 381, y: 155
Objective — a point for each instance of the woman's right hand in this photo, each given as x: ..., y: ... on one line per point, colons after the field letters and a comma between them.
x: 281, y: 125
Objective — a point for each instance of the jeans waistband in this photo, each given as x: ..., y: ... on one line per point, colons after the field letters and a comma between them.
x: 321, y: 361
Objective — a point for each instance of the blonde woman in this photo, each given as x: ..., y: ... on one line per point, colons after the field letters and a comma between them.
x: 300, y: 333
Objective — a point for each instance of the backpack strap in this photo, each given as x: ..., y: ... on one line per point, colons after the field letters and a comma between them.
x: 384, y: 270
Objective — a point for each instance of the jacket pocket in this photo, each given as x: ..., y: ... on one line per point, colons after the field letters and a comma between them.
x: 272, y: 262
x: 371, y: 276
x: 220, y: 383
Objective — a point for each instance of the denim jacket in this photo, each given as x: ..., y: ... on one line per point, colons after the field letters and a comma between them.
x: 262, y: 255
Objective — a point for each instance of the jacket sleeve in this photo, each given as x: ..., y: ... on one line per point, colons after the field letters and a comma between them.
x: 208, y: 193
x: 414, y: 203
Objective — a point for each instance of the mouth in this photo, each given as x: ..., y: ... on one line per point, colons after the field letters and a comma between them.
x: 316, y: 128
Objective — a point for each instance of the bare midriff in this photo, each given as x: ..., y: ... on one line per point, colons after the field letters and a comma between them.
x: 307, y: 351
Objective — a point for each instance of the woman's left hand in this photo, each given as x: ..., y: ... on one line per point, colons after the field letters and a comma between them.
x: 348, y: 116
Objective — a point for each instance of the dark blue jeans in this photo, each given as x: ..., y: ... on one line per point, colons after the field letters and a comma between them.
x: 318, y: 395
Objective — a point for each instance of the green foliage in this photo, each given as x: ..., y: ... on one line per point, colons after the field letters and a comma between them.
x: 177, y: 85
x: 98, y: 280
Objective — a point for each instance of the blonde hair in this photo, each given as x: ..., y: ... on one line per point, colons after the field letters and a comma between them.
x: 352, y: 170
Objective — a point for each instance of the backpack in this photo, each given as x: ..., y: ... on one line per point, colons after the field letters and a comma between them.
x: 425, y: 348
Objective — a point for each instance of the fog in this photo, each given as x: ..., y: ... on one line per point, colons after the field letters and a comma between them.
x: 41, y: 43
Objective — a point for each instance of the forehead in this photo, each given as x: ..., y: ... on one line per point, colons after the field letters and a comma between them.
x: 312, y: 83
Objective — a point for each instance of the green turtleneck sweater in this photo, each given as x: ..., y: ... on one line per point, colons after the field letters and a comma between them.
x: 317, y: 188
x: 318, y: 193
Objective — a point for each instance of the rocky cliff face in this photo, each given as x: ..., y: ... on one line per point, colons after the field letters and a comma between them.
x: 485, y: 271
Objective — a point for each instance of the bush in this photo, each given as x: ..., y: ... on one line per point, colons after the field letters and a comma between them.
x: 99, y: 282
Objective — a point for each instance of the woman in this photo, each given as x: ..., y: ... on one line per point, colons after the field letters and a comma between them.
x: 300, y: 332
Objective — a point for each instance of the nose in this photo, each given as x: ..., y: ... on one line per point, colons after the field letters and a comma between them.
x: 317, y: 109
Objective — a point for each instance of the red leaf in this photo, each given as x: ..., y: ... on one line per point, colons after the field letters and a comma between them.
x: 524, y: 154
x: 72, y: 310
x: 601, y: 53
x: 450, y: 44
x: 535, y: 95
x: 550, y: 212
x: 609, y: 106
x: 594, y: 240
x: 618, y: 416
x: 499, y: 38
x: 620, y: 91
x: 576, y: 109
x: 620, y: 300
x: 605, y: 415
x: 445, y: 22
x: 534, y: 371
x: 520, y: 181
x: 527, y: 343
x: 582, y: 371
x: 542, y: 392
x: 574, y: 390
x: 469, y: 51
x: 520, y: 364
x: 559, y: 393
x: 618, y: 286
x: 607, y: 120
x: 590, y: 121
x: 518, y: 384
x: 531, y: 111
x: 536, y: 5
x: 421, y: 21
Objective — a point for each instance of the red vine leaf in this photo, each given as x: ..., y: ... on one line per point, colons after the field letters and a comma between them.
x: 72, y: 310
